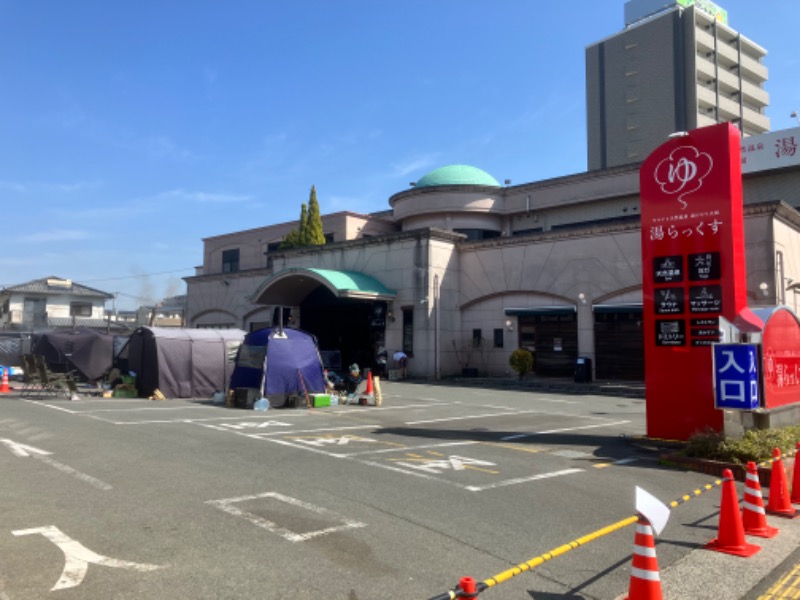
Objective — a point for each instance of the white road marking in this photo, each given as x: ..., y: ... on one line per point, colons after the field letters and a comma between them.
x: 437, y: 466
x: 321, y: 442
x: 25, y: 451
x: 467, y: 417
x: 22, y: 450
x: 489, y: 486
x: 77, y: 557
x: 53, y: 406
x: 100, y: 485
x: 533, y: 433
x: 505, y: 414
x: 408, y: 448
x: 227, y: 505
x: 284, y: 433
x: 254, y: 425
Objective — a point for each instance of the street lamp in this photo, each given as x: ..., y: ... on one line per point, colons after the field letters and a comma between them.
x: 794, y: 115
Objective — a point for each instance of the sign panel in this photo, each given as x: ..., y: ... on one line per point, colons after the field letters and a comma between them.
x: 667, y: 269
x: 773, y: 150
x: 693, y: 272
x: 708, y: 7
x: 781, y: 348
x: 736, y: 376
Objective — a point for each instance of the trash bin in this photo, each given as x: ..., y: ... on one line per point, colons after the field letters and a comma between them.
x: 583, y: 370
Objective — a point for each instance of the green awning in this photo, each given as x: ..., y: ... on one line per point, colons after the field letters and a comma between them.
x: 350, y: 284
x: 541, y: 310
x: 608, y: 309
x: 290, y: 286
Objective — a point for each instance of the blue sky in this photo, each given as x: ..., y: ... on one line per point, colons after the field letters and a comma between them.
x: 129, y: 131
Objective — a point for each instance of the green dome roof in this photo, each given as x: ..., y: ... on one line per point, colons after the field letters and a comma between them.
x: 457, y: 175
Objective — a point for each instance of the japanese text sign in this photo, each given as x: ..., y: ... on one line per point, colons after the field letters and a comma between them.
x: 736, y: 376
x: 693, y: 272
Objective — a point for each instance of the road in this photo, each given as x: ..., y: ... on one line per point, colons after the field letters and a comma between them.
x: 127, y: 498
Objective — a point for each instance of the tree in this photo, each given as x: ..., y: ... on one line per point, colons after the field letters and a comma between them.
x: 296, y: 238
x: 314, y: 233
x: 291, y: 240
x: 521, y: 361
x: 309, y: 231
x: 303, y: 224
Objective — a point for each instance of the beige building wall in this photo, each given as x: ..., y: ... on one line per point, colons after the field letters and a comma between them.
x: 587, y: 253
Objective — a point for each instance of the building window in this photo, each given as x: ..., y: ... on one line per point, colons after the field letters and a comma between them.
x: 80, y: 309
x: 408, y: 331
x: 475, y: 235
x: 230, y: 260
x: 477, y: 337
x: 498, y: 338
x: 328, y: 238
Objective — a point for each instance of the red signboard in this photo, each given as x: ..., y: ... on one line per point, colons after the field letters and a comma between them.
x: 693, y: 271
x: 781, y: 348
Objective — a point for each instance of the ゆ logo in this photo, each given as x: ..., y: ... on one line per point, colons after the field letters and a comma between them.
x: 683, y: 172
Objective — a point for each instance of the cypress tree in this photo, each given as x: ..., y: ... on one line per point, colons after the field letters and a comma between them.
x: 303, y: 237
x: 314, y: 234
x: 292, y: 239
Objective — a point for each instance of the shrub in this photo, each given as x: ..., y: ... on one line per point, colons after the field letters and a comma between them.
x: 756, y: 445
x: 521, y: 361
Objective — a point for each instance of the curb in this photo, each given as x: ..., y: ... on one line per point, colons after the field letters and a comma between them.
x: 715, y: 468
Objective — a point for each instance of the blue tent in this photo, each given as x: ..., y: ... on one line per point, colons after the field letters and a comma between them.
x: 277, y: 363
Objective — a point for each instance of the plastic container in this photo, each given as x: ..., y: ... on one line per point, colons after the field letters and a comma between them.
x: 261, y: 404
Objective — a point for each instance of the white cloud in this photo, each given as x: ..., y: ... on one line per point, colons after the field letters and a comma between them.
x: 413, y: 165
x: 43, y: 186
x: 55, y: 235
x: 205, y: 197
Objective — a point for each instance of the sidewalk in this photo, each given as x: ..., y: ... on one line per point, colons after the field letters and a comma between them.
x: 706, y: 575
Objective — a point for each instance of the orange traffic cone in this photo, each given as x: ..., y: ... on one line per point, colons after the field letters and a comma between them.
x: 4, y: 386
x: 754, y: 517
x: 779, y: 502
x: 730, y: 535
x: 795, y: 498
x: 645, y: 583
x: 370, y: 389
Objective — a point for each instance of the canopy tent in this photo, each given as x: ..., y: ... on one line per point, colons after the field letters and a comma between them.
x: 278, y: 363
x: 86, y: 350
x: 182, y: 363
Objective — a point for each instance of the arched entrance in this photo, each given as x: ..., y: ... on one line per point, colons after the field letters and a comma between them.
x: 344, y: 310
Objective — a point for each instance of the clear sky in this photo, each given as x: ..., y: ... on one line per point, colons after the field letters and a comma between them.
x: 130, y: 131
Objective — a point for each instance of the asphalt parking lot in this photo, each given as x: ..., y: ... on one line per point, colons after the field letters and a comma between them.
x: 187, y: 499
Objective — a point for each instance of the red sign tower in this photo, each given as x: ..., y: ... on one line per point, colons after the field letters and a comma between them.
x: 693, y: 266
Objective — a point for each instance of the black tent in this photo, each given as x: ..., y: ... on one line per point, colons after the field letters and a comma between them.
x: 182, y: 363
x: 85, y: 350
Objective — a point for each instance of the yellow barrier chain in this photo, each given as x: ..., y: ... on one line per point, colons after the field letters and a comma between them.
x: 542, y: 558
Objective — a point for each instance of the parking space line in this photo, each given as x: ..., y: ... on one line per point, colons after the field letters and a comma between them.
x: 489, y: 486
x: 53, y: 406
x: 227, y: 505
x: 565, y: 429
x: 422, y: 447
x: 514, y: 447
x: 467, y: 417
x: 321, y: 430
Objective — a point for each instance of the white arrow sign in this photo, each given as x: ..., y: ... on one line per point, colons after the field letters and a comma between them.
x: 23, y: 450
x: 78, y: 557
